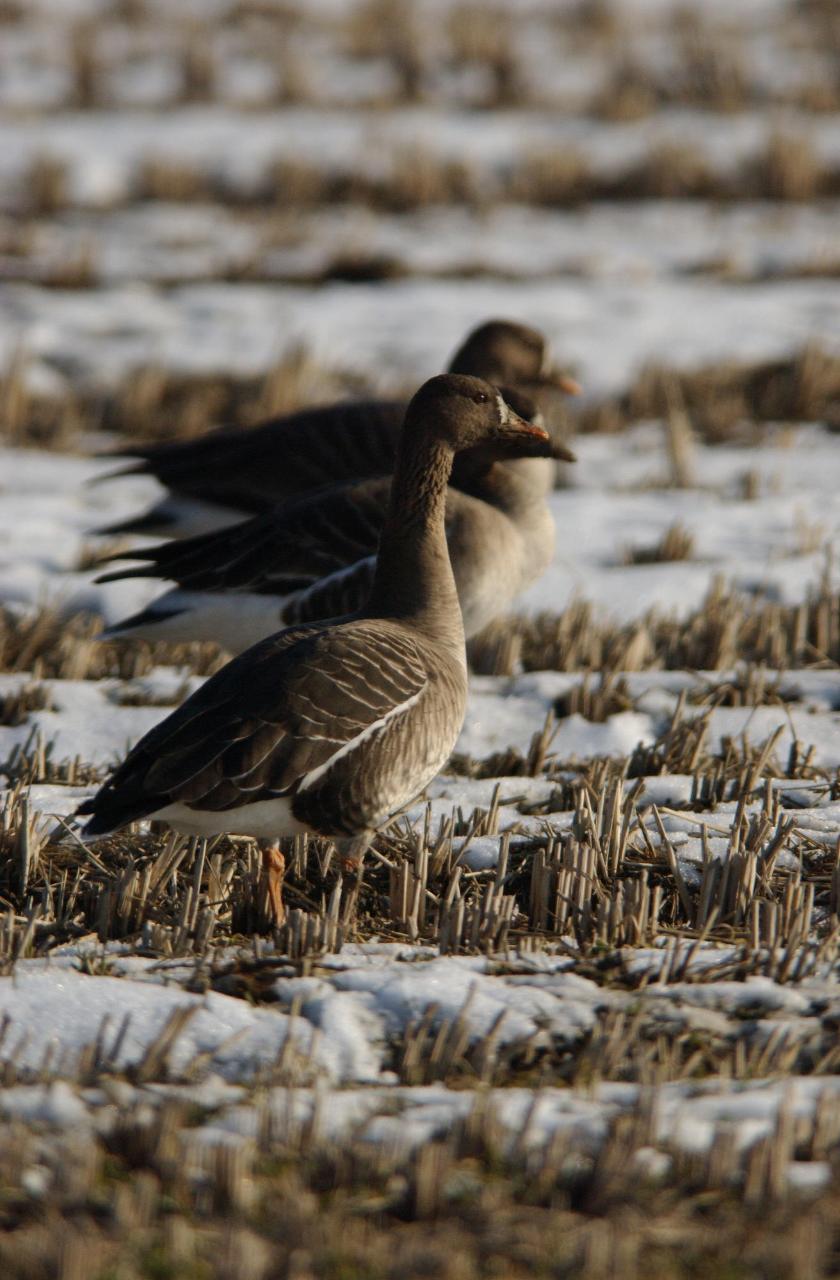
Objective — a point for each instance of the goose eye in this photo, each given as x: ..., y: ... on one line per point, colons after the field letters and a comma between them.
x: 481, y: 397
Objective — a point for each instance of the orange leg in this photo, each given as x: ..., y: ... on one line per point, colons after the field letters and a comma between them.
x: 271, y: 882
x: 351, y: 852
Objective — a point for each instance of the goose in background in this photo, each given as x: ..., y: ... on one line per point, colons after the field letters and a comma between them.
x: 220, y: 478
x: 330, y: 728
x: 314, y: 558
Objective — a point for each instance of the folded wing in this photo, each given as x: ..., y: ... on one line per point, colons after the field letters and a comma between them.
x: 271, y: 723
x: 288, y: 548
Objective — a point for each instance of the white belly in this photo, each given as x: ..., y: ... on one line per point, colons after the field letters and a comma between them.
x: 235, y: 620
x: 265, y: 820
x: 182, y: 517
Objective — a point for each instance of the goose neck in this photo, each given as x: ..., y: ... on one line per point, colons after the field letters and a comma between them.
x: 513, y: 486
x: 413, y: 579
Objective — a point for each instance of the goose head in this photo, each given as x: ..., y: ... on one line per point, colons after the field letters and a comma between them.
x: 466, y: 413
x: 507, y: 471
x: 524, y: 404
x: 506, y: 352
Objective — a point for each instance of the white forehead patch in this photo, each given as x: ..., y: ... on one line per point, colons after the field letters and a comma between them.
x: 504, y: 411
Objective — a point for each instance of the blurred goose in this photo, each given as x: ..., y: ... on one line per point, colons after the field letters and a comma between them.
x: 331, y: 727
x: 220, y: 478
x: 314, y: 558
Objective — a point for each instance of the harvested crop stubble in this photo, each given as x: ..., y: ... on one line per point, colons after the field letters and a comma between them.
x: 151, y: 1196
x: 676, y: 543
x: 474, y: 58
x: 726, y: 400
x: 721, y: 402
x: 154, y: 403
x: 609, y: 877
x: 412, y: 175
x: 683, y: 892
x: 49, y: 645
x: 727, y: 628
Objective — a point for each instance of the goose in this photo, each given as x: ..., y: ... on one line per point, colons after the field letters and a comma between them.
x: 314, y: 558
x: 331, y: 727
x: 220, y: 478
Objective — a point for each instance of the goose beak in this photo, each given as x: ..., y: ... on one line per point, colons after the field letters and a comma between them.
x: 529, y: 438
x: 526, y: 436
x: 562, y: 453
x: 562, y: 381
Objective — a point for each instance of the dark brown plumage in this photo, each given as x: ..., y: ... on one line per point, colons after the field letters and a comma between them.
x: 230, y: 473
x: 270, y: 721
x: 314, y: 558
x: 330, y: 728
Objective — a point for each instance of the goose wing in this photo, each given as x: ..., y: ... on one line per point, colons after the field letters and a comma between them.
x: 286, y: 549
x: 254, y: 468
x: 271, y: 723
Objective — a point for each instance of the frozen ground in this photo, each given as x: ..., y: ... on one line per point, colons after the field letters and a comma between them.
x: 354, y: 1007
x: 138, y: 71
x: 102, y: 153
x: 603, y: 951
x: 349, y: 1013
x: 776, y: 544
x: 170, y: 243
x: 399, y: 332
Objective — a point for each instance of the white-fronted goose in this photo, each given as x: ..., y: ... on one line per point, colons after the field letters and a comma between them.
x: 219, y: 479
x: 314, y: 558
x: 330, y: 728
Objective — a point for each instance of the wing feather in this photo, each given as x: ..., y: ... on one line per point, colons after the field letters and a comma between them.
x: 279, y: 712
x: 289, y: 548
x: 251, y: 469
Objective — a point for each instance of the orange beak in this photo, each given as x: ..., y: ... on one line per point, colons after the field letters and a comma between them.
x: 562, y: 381
x: 530, y: 439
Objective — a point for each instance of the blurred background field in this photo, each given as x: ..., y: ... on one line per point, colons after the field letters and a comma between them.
x: 584, y: 1020
x: 195, y: 196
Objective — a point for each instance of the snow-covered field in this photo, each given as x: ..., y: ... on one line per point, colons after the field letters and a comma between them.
x: 354, y: 1007
x: 598, y: 959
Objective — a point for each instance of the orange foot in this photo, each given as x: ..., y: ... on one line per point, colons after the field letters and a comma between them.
x: 272, y: 877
